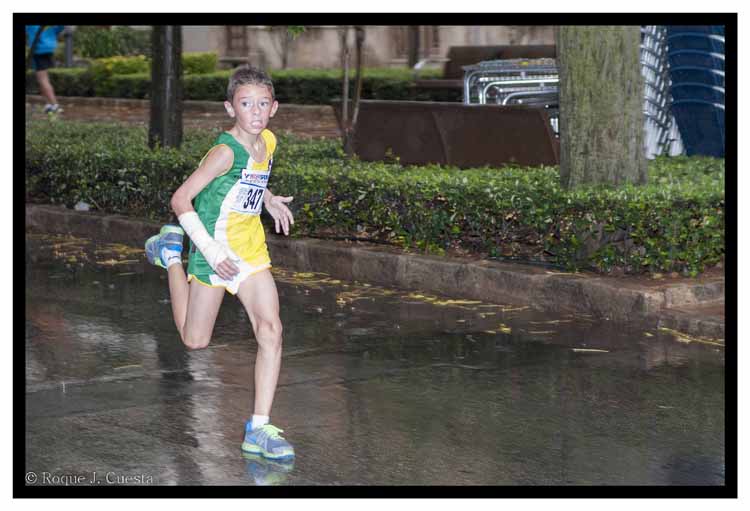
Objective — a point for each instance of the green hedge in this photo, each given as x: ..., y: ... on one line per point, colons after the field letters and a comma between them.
x: 94, y: 42
x: 198, y: 63
x: 106, y: 67
x: 676, y: 223
x: 298, y: 86
x: 118, y: 77
x: 66, y: 81
x: 192, y: 63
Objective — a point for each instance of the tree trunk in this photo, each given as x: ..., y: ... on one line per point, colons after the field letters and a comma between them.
x: 285, y: 43
x: 345, y: 123
x: 359, y: 32
x: 343, y: 36
x: 165, y: 126
x: 284, y: 34
x: 352, y: 124
x: 413, y: 45
x: 601, y: 106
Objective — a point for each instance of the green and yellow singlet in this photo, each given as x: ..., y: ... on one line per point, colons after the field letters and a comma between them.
x: 230, y: 207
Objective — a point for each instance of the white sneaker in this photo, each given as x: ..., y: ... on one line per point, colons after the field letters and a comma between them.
x: 51, y: 110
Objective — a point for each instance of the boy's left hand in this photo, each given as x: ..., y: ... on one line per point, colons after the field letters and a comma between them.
x: 281, y: 214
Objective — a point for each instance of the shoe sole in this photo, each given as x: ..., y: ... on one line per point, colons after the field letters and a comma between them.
x: 251, y: 449
x: 170, y: 229
x: 157, y: 258
x: 283, y: 466
x: 163, y: 232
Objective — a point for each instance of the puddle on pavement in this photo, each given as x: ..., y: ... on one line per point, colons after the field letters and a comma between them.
x: 378, y: 386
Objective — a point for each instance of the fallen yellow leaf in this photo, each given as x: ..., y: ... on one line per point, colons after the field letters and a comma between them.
x: 685, y: 338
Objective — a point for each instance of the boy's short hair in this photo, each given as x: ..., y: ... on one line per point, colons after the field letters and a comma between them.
x: 248, y: 75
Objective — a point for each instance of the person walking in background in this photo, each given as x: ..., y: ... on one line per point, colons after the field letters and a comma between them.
x: 42, y: 47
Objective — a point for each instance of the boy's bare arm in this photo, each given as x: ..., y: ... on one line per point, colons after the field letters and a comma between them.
x: 216, y: 162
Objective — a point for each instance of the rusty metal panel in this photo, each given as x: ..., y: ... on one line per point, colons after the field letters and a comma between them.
x: 421, y: 132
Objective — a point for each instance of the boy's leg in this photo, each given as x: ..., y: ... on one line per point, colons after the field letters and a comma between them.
x: 194, y: 307
x: 179, y: 291
x: 201, y: 310
x: 258, y: 295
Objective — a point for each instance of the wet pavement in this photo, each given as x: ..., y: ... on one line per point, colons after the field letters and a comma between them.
x: 378, y: 387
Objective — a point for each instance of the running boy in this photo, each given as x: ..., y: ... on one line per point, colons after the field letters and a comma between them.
x: 228, y: 251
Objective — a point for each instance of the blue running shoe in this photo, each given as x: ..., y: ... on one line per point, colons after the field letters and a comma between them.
x: 267, y: 472
x: 166, y: 244
x: 266, y: 441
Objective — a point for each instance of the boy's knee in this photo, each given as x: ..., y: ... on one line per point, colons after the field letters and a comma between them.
x: 193, y: 342
x: 269, y: 332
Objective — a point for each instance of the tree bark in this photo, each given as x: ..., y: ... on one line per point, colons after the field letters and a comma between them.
x: 359, y: 32
x: 352, y: 124
x: 285, y: 44
x: 346, y: 122
x: 601, y: 106
x: 165, y: 127
x: 343, y: 36
x: 349, y: 122
x: 413, y: 45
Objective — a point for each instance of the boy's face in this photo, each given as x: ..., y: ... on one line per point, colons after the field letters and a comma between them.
x: 252, y: 107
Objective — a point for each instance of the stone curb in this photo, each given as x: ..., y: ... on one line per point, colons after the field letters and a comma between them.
x: 697, y: 323
x: 490, y: 281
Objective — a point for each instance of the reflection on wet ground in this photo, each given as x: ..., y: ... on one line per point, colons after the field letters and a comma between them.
x: 378, y: 386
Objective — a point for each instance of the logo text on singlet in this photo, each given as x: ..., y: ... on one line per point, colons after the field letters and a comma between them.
x: 249, y: 198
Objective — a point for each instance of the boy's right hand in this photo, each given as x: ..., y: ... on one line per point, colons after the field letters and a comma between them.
x: 220, y: 260
x: 226, y: 269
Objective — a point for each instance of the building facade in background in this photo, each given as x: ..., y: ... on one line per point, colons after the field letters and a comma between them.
x: 319, y: 46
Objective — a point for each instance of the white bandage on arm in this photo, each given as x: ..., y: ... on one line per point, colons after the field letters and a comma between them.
x: 211, y: 249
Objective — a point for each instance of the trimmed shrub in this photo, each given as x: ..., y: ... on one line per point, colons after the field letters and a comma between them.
x: 676, y: 223
x: 66, y: 81
x: 207, y: 87
x: 107, y: 75
x: 297, y: 86
x: 199, y: 63
x: 92, y: 42
x: 108, y: 166
x: 136, y: 86
x: 106, y: 67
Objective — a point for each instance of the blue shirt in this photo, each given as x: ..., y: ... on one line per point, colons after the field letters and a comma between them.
x: 47, y: 41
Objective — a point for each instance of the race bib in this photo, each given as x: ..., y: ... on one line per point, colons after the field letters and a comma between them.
x: 252, y: 185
